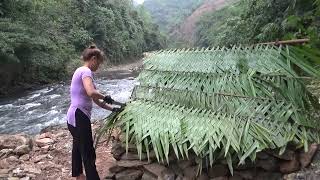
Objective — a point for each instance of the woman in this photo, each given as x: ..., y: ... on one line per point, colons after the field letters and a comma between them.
x: 83, y: 92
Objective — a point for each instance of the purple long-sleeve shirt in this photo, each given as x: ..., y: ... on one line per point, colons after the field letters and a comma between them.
x: 79, y: 97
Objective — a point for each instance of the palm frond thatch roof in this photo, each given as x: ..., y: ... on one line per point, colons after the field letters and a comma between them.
x: 222, y: 103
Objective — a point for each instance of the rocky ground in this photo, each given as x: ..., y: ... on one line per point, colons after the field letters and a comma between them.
x: 46, y: 156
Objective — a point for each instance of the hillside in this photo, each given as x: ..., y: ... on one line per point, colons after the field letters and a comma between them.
x: 178, y: 19
x: 169, y: 14
x: 187, y: 30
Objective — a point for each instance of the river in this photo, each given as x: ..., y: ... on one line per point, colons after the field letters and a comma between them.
x: 31, y: 112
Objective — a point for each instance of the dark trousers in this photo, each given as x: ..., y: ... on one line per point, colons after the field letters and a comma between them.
x: 82, y: 148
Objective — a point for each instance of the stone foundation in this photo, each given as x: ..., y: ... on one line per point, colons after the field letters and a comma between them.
x: 268, y: 166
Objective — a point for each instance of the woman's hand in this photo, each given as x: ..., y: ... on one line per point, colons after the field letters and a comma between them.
x: 108, y: 99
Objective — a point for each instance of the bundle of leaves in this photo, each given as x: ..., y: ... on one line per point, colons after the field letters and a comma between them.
x: 222, y: 103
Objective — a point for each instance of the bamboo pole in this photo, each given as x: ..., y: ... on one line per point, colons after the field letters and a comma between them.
x: 294, y: 41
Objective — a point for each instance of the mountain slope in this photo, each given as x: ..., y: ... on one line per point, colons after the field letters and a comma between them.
x: 179, y: 19
x: 169, y: 14
x: 187, y: 29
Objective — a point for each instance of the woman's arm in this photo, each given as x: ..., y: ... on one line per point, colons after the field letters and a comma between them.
x: 103, y: 105
x: 91, y: 91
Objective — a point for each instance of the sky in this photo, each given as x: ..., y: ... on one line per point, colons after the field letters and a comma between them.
x: 139, y: 1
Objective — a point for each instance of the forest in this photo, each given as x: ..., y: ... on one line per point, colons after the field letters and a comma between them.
x: 41, y: 40
x: 253, y: 21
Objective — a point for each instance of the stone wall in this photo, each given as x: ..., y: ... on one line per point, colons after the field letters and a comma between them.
x: 268, y: 166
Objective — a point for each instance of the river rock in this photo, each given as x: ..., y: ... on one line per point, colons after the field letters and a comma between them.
x: 235, y: 177
x: 110, y: 176
x: 305, y: 158
x: 31, y: 169
x: 246, y: 174
x: 117, y: 150
x: 50, y: 165
x: 218, y: 170
x: 176, y: 169
x: 270, y: 164
x: 262, y: 155
x: 4, y: 153
x: 13, y: 160
x: 167, y: 174
x: 44, y: 142
x: 308, y: 175
x: 39, y: 158
x: 4, y: 173
x: 14, y: 141
x: 25, y: 157
x: 13, y: 178
x: 290, y: 166
x: 116, y: 169
x: 129, y: 174
x: 58, y: 135
x: 263, y: 175
x: 133, y: 156
x: 220, y: 178
x: 185, y: 163
x: 148, y: 176
x: 18, y: 173
x: 25, y: 178
x: 287, y: 155
x: 21, y: 150
x: 155, y: 168
x: 4, y: 164
x: 44, y: 135
x: 190, y: 172
x: 135, y: 163
x: 203, y: 176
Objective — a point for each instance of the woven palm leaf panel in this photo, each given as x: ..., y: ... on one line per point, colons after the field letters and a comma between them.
x: 221, y: 103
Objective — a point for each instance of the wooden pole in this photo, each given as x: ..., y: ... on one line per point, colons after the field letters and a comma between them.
x: 289, y: 42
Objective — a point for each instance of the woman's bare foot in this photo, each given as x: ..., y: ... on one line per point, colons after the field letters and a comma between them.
x: 81, y: 177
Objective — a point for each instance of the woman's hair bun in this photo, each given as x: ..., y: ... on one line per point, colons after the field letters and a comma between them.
x: 93, y: 46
